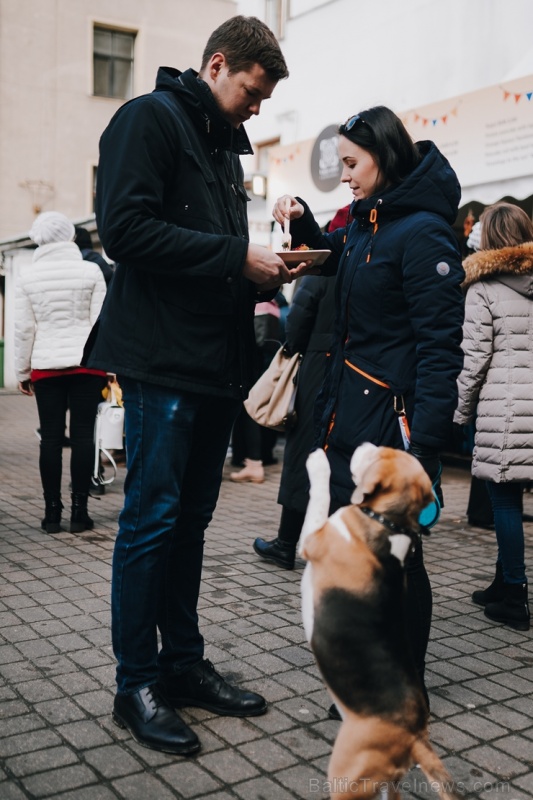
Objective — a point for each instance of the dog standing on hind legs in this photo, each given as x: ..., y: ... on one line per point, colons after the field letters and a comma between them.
x: 352, y: 606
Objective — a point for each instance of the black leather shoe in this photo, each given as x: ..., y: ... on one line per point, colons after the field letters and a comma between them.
x: 153, y: 723
x: 276, y: 551
x: 202, y: 687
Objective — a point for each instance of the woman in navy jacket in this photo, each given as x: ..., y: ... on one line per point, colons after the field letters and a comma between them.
x: 396, y: 350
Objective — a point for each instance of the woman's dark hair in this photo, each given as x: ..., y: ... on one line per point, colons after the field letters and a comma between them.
x: 504, y: 225
x: 246, y: 41
x: 383, y: 134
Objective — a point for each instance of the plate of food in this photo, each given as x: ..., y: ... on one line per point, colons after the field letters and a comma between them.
x: 294, y: 257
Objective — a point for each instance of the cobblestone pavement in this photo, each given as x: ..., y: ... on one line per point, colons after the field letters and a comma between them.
x: 57, y: 739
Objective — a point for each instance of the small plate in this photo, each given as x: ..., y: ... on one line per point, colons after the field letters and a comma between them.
x: 295, y: 257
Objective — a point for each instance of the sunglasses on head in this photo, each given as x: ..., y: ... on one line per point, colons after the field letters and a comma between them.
x: 351, y: 121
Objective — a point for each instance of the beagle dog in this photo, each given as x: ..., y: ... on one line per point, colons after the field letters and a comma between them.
x: 352, y: 592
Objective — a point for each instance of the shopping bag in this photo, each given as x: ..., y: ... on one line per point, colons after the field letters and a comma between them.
x: 108, y: 434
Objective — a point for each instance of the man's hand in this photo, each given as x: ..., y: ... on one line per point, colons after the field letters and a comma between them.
x: 265, y: 268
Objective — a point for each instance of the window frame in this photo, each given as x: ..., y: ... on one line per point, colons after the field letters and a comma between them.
x: 112, y: 59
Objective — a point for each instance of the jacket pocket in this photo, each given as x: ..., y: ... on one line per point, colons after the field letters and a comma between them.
x: 364, y: 412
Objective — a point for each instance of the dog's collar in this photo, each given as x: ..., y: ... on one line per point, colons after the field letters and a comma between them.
x: 387, y: 523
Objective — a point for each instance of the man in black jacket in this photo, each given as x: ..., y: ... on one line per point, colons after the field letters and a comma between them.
x: 177, y: 329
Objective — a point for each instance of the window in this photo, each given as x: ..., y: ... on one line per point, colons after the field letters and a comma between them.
x: 93, y: 198
x: 113, y: 63
x: 275, y: 16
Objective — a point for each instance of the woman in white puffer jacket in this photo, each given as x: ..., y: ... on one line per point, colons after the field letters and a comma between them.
x: 497, y: 381
x: 58, y: 299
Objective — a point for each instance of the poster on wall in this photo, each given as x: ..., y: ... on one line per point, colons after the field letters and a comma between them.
x: 486, y: 135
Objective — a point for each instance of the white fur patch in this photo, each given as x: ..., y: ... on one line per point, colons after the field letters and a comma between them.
x: 339, y: 525
x: 308, y: 613
x: 399, y: 545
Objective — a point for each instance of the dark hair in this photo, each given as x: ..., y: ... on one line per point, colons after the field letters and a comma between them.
x: 383, y: 134
x: 83, y: 238
x: 504, y: 225
x: 245, y: 41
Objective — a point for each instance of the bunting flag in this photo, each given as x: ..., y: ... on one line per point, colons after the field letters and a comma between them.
x: 441, y: 119
x: 517, y: 96
x: 288, y: 157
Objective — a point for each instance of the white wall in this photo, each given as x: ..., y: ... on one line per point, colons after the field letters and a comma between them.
x: 347, y: 55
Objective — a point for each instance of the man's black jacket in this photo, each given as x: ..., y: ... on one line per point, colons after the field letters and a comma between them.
x: 171, y: 212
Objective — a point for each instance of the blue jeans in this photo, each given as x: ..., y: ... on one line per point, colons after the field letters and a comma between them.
x: 507, y: 501
x: 176, y: 444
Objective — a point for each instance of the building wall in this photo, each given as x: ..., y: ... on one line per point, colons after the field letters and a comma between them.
x: 347, y: 55
x: 50, y: 122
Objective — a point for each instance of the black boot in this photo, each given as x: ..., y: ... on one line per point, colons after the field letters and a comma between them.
x: 52, y: 514
x: 276, y: 551
x: 79, y: 518
x: 513, y: 610
x: 493, y: 593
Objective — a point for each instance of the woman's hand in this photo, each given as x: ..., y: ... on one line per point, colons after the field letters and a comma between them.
x: 25, y: 388
x: 287, y: 207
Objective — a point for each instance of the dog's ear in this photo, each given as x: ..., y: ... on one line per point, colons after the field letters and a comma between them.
x: 365, y: 473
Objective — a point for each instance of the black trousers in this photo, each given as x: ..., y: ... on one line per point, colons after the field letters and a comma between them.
x: 80, y: 395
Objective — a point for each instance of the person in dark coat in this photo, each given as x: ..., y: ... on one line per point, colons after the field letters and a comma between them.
x: 308, y: 331
x: 85, y: 243
x: 177, y: 330
x: 309, y: 326
x: 396, y: 349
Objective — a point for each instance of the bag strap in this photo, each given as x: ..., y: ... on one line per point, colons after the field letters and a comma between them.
x: 292, y: 402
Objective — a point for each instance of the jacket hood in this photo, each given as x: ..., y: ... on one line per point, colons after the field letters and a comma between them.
x: 58, y: 251
x: 432, y: 186
x: 512, y: 266
x: 203, y: 109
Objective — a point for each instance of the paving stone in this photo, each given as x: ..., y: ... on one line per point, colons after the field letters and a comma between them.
x: 83, y: 734
x: 142, y: 787
x: 189, y: 779
x: 29, y: 742
x: 60, y: 711
x: 40, y: 760
x: 51, y: 784
x: 499, y: 763
x: 263, y: 752
x: 233, y: 731
x: 89, y: 793
x: 228, y: 766
x: 262, y: 788
x: 111, y: 761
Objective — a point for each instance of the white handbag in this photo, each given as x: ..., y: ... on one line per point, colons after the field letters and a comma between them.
x: 108, y: 434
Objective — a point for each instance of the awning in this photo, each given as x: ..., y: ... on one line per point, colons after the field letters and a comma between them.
x: 487, y: 193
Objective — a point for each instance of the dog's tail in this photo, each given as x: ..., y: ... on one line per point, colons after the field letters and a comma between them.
x: 433, y: 768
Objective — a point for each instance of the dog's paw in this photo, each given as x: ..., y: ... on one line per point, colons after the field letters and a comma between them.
x: 318, y: 467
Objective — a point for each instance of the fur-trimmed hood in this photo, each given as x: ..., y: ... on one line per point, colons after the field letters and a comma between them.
x: 512, y: 266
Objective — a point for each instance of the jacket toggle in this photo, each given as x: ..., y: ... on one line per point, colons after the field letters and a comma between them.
x: 373, y: 218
